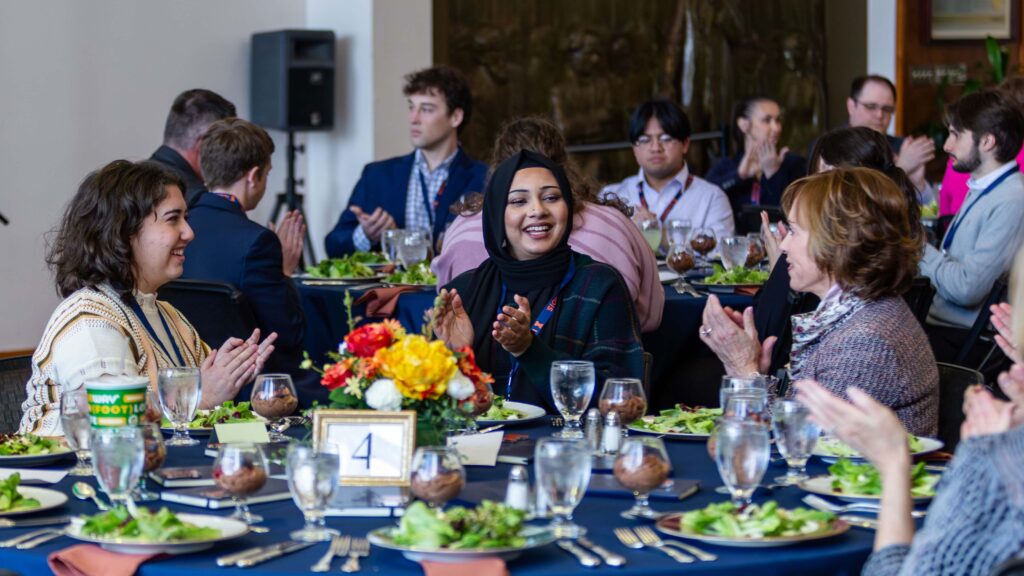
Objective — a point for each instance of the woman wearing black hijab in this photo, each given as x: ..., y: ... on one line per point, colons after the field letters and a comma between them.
x: 534, y: 300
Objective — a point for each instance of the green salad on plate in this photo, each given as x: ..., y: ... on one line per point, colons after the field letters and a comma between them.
x: 229, y: 411
x: 836, y: 447
x: 419, y: 274
x: 352, y: 266
x: 489, y: 525
x: 10, y: 498
x: 680, y: 420
x: 864, y: 479
x: 498, y: 411
x: 756, y: 521
x: 738, y: 275
x: 146, y: 526
x: 27, y: 445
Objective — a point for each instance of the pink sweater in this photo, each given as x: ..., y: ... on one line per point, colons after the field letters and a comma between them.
x: 954, y: 187
x: 601, y: 232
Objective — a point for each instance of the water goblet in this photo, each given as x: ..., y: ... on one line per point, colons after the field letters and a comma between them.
x: 795, y: 436
x: 626, y: 397
x: 642, y: 466
x: 651, y: 228
x: 155, y: 455
x: 757, y: 252
x: 74, y: 420
x: 742, y: 450
x: 240, y: 470
x: 118, y: 455
x: 562, y: 468
x: 680, y: 260
x: 703, y: 240
x: 180, y: 389
x: 437, y: 475
x: 748, y: 404
x: 678, y: 231
x: 735, y: 250
x: 572, y: 387
x: 273, y: 397
x: 389, y: 241
x: 312, y: 476
x: 731, y: 384
x: 413, y: 248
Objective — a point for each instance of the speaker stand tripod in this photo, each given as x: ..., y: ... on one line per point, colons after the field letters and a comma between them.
x: 292, y: 200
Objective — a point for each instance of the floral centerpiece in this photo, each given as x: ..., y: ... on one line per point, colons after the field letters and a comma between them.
x: 381, y: 367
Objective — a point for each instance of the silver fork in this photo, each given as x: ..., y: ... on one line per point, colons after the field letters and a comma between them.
x: 648, y: 536
x: 360, y: 548
x: 820, y: 503
x: 630, y: 540
x: 30, y: 544
x: 339, y: 547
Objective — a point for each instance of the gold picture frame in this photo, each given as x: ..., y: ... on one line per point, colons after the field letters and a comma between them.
x: 355, y: 432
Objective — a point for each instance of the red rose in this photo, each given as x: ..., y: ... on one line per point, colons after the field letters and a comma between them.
x: 366, y: 340
x: 337, y: 374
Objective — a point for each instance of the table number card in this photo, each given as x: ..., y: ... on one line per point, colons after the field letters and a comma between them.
x: 374, y: 448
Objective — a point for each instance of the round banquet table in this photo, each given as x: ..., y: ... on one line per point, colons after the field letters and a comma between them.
x: 843, y: 554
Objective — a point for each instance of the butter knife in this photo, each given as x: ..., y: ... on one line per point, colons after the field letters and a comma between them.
x: 610, y: 558
x: 585, y: 558
x: 47, y: 521
x: 233, y: 558
x: 288, y: 548
x: 860, y: 521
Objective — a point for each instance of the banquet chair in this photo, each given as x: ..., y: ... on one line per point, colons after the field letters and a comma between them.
x: 953, y: 383
x: 919, y: 298
x: 217, y: 310
x: 14, y: 374
x: 982, y: 331
x: 648, y: 364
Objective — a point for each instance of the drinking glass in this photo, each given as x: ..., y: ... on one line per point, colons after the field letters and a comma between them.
x: 731, y: 384
x: 118, y: 455
x: 413, y: 248
x: 240, y: 470
x: 678, y: 231
x: 437, y: 475
x: 741, y: 453
x: 389, y: 241
x: 651, y: 228
x: 642, y: 465
x: 795, y: 435
x: 155, y: 454
x: 625, y: 396
x: 312, y: 476
x: 757, y: 251
x: 735, y: 250
x: 748, y: 404
x: 274, y: 397
x: 572, y: 386
x: 703, y: 240
x: 562, y: 469
x: 74, y: 420
x: 680, y: 260
x: 179, y: 389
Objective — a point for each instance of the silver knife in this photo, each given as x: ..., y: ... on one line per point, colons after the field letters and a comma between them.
x: 288, y: 548
x: 47, y: 521
x: 585, y: 558
x: 233, y: 558
x: 860, y: 521
x: 610, y: 558
x: 24, y: 537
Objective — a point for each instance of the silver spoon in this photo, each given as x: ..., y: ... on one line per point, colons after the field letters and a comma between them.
x: 84, y: 491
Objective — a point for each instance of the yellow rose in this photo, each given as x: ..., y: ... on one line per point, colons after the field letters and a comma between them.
x: 420, y: 368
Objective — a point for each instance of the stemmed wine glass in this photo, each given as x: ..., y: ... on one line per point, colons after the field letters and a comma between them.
x: 626, y: 397
x: 735, y: 251
x: 180, y: 389
x: 562, y: 468
x: 389, y: 241
x: 273, y: 397
x: 736, y: 384
x: 680, y: 260
x: 312, y: 476
x: 572, y: 386
x: 641, y: 466
x: 678, y: 231
x: 795, y: 435
x: 74, y: 420
x: 437, y: 475
x: 155, y: 454
x: 241, y: 470
x: 651, y: 228
x: 703, y: 240
x: 413, y: 247
x: 118, y: 456
x: 742, y: 450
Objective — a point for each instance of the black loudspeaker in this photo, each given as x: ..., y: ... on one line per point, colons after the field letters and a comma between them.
x: 292, y: 79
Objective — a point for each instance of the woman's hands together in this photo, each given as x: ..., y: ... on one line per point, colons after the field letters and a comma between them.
x: 772, y: 240
x: 512, y: 327
x: 226, y: 370
x: 732, y: 336
x: 451, y: 321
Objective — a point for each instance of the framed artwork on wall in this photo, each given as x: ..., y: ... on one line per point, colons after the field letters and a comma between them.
x: 971, y: 19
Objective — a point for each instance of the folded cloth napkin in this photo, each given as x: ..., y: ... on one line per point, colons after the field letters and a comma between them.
x: 91, y: 560
x: 482, y: 567
x: 381, y: 302
x: 748, y: 290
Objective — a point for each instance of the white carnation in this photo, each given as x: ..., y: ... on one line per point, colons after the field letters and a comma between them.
x: 384, y: 395
x: 460, y: 387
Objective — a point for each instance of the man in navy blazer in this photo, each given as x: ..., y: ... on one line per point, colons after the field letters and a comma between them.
x: 228, y: 247
x: 415, y: 191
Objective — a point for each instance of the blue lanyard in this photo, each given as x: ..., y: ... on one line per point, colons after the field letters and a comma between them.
x: 149, y: 328
x: 948, y: 240
x: 431, y: 207
x: 540, y: 322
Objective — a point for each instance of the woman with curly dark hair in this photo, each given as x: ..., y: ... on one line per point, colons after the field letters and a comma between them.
x: 855, y: 245
x: 122, y: 237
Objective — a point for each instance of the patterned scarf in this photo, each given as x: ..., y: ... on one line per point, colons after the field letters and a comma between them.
x: 810, y: 327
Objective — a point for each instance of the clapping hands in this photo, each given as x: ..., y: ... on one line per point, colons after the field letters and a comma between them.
x: 226, y: 370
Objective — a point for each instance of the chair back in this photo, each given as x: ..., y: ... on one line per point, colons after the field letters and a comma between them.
x: 982, y: 328
x: 648, y: 365
x: 217, y: 310
x: 919, y: 298
x: 14, y: 374
x: 953, y: 383
x: 748, y: 219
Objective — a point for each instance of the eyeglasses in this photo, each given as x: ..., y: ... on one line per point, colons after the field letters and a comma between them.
x: 872, y: 107
x: 646, y: 141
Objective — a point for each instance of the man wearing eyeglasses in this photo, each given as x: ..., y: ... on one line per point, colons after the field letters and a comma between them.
x: 872, y: 103
x: 664, y: 189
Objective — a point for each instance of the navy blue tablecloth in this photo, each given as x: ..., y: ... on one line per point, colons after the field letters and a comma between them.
x: 840, y: 555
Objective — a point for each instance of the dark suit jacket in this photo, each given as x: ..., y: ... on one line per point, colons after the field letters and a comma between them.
x: 385, y: 184
x: 724, y: 174
x: 170, y: 158
x: 229, y: 247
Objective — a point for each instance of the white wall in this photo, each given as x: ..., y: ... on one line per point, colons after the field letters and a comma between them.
x: 87, y: 82
x: 882, y: 41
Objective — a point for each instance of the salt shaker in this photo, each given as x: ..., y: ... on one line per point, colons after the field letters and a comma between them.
x: 612, y: 434
x: 517, y: 495
x: 592, y: 429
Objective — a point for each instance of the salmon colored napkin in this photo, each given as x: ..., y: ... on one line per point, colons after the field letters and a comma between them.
x: 748, y: 290
x: 381, y: 302
x: 482, y: 567
x: 91, y: 560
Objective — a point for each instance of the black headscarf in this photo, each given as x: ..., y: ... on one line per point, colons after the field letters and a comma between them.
x: 538, y: 279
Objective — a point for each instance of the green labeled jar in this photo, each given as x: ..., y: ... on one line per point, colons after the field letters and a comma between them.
x: 116, y: 401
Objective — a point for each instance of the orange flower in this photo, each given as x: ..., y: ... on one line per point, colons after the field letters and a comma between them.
x: 468, y: 366
x: 335, y: 375
x: 366, y: 340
